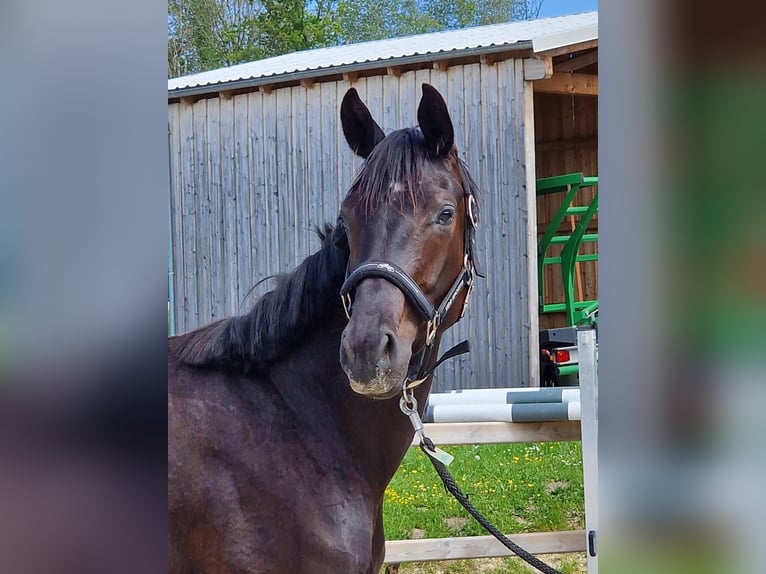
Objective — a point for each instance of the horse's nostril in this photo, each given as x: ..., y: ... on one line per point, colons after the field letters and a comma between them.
x: 389, y: 345
x: 387, y: 352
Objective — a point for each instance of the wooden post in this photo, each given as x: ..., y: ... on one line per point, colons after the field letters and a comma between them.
x: 538, y: 68
x: 577, y: 62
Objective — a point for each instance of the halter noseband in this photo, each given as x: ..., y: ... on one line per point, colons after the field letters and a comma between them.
x: 414, y: 294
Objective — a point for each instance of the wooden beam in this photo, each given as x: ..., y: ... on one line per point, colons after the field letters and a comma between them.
x: 487, y: 59
x: 307, y: 83
x: 395, y: 71
x: 538, y: 68
x: 225, y: 94
x: 441, y: 65
x: 581, y: 47
x: 351, y: 77
x: 482, y: 546
x: 499, y: 433
x: 188, y: 100
x: 266, y: 88
x: 577, y: 62
x: 569, y: 84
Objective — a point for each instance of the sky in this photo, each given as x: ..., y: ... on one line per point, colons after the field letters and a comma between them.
x: 562, y: 7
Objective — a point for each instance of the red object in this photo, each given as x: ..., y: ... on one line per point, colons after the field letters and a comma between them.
x: 562, y: 356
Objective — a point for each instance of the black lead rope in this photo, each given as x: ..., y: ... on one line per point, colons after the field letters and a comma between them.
x: 451, y: 486
x: 408, y: 406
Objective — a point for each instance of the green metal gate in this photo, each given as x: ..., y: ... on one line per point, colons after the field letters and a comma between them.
x: 577, y: 312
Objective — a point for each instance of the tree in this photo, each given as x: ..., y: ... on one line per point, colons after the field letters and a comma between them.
x: 208, y: 34
x: 362, y: 20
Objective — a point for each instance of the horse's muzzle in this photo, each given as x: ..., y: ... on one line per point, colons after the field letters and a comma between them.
x: 374, y: 359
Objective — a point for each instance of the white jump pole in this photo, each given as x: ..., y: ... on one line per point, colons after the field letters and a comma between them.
x: 506, y: 396
x: 511, y: 413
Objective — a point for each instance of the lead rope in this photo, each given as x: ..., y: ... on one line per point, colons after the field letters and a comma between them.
x: 440, y: 459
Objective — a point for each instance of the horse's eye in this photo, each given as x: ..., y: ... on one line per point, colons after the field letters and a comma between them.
x: 446, y: 216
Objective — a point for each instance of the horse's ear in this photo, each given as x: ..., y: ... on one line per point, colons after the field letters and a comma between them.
x: 361, y: 131
x: 435, y: 123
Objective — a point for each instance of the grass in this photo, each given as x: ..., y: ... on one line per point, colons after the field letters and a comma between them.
x: 530, y: 487
x: 520, y: 487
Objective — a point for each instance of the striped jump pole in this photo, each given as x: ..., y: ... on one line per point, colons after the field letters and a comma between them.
x: 493, y: 412
x: 506, y: 396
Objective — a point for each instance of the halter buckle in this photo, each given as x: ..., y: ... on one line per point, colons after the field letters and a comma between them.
x: 410, y: 384
x: 431, y: 327
x: 467, y: 298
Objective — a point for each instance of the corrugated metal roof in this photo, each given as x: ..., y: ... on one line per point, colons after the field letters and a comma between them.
x: 538, y: 35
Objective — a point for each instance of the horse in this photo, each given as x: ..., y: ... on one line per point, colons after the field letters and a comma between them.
x: 284, y: 426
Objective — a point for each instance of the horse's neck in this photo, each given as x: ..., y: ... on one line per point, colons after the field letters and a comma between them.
x: 375, y: 433
x: 379, y: 435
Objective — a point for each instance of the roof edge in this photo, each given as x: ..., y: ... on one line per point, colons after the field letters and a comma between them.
x: 191, y: 91
x: 564, y: 39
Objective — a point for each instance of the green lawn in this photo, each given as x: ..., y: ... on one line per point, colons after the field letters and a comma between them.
x: 532, y: 487
x: 519, y: 487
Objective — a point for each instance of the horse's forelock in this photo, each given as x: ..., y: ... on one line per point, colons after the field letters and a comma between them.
x: 393, y: 168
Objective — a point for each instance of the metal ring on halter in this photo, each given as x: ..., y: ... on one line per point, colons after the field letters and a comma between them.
x: 472, y: 211
x: 346, y: 299
x: 408, y: 403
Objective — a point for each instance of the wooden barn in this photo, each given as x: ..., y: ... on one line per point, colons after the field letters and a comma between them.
x: 258, y: 158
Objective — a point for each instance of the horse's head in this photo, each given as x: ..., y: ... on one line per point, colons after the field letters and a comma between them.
x: 409, y: 219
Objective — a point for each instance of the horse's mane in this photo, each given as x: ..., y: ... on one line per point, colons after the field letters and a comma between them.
x: 399, y: 158
x: 279, y: 319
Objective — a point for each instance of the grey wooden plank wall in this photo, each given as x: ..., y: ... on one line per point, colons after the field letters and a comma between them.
x: 252, y: 174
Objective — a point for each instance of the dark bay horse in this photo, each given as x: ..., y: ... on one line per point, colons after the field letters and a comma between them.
x: 284, y: 424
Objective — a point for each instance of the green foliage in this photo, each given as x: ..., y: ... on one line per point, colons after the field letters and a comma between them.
x: 208, y: 34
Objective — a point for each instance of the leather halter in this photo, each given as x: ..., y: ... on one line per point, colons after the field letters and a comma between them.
x: 414, y: 294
